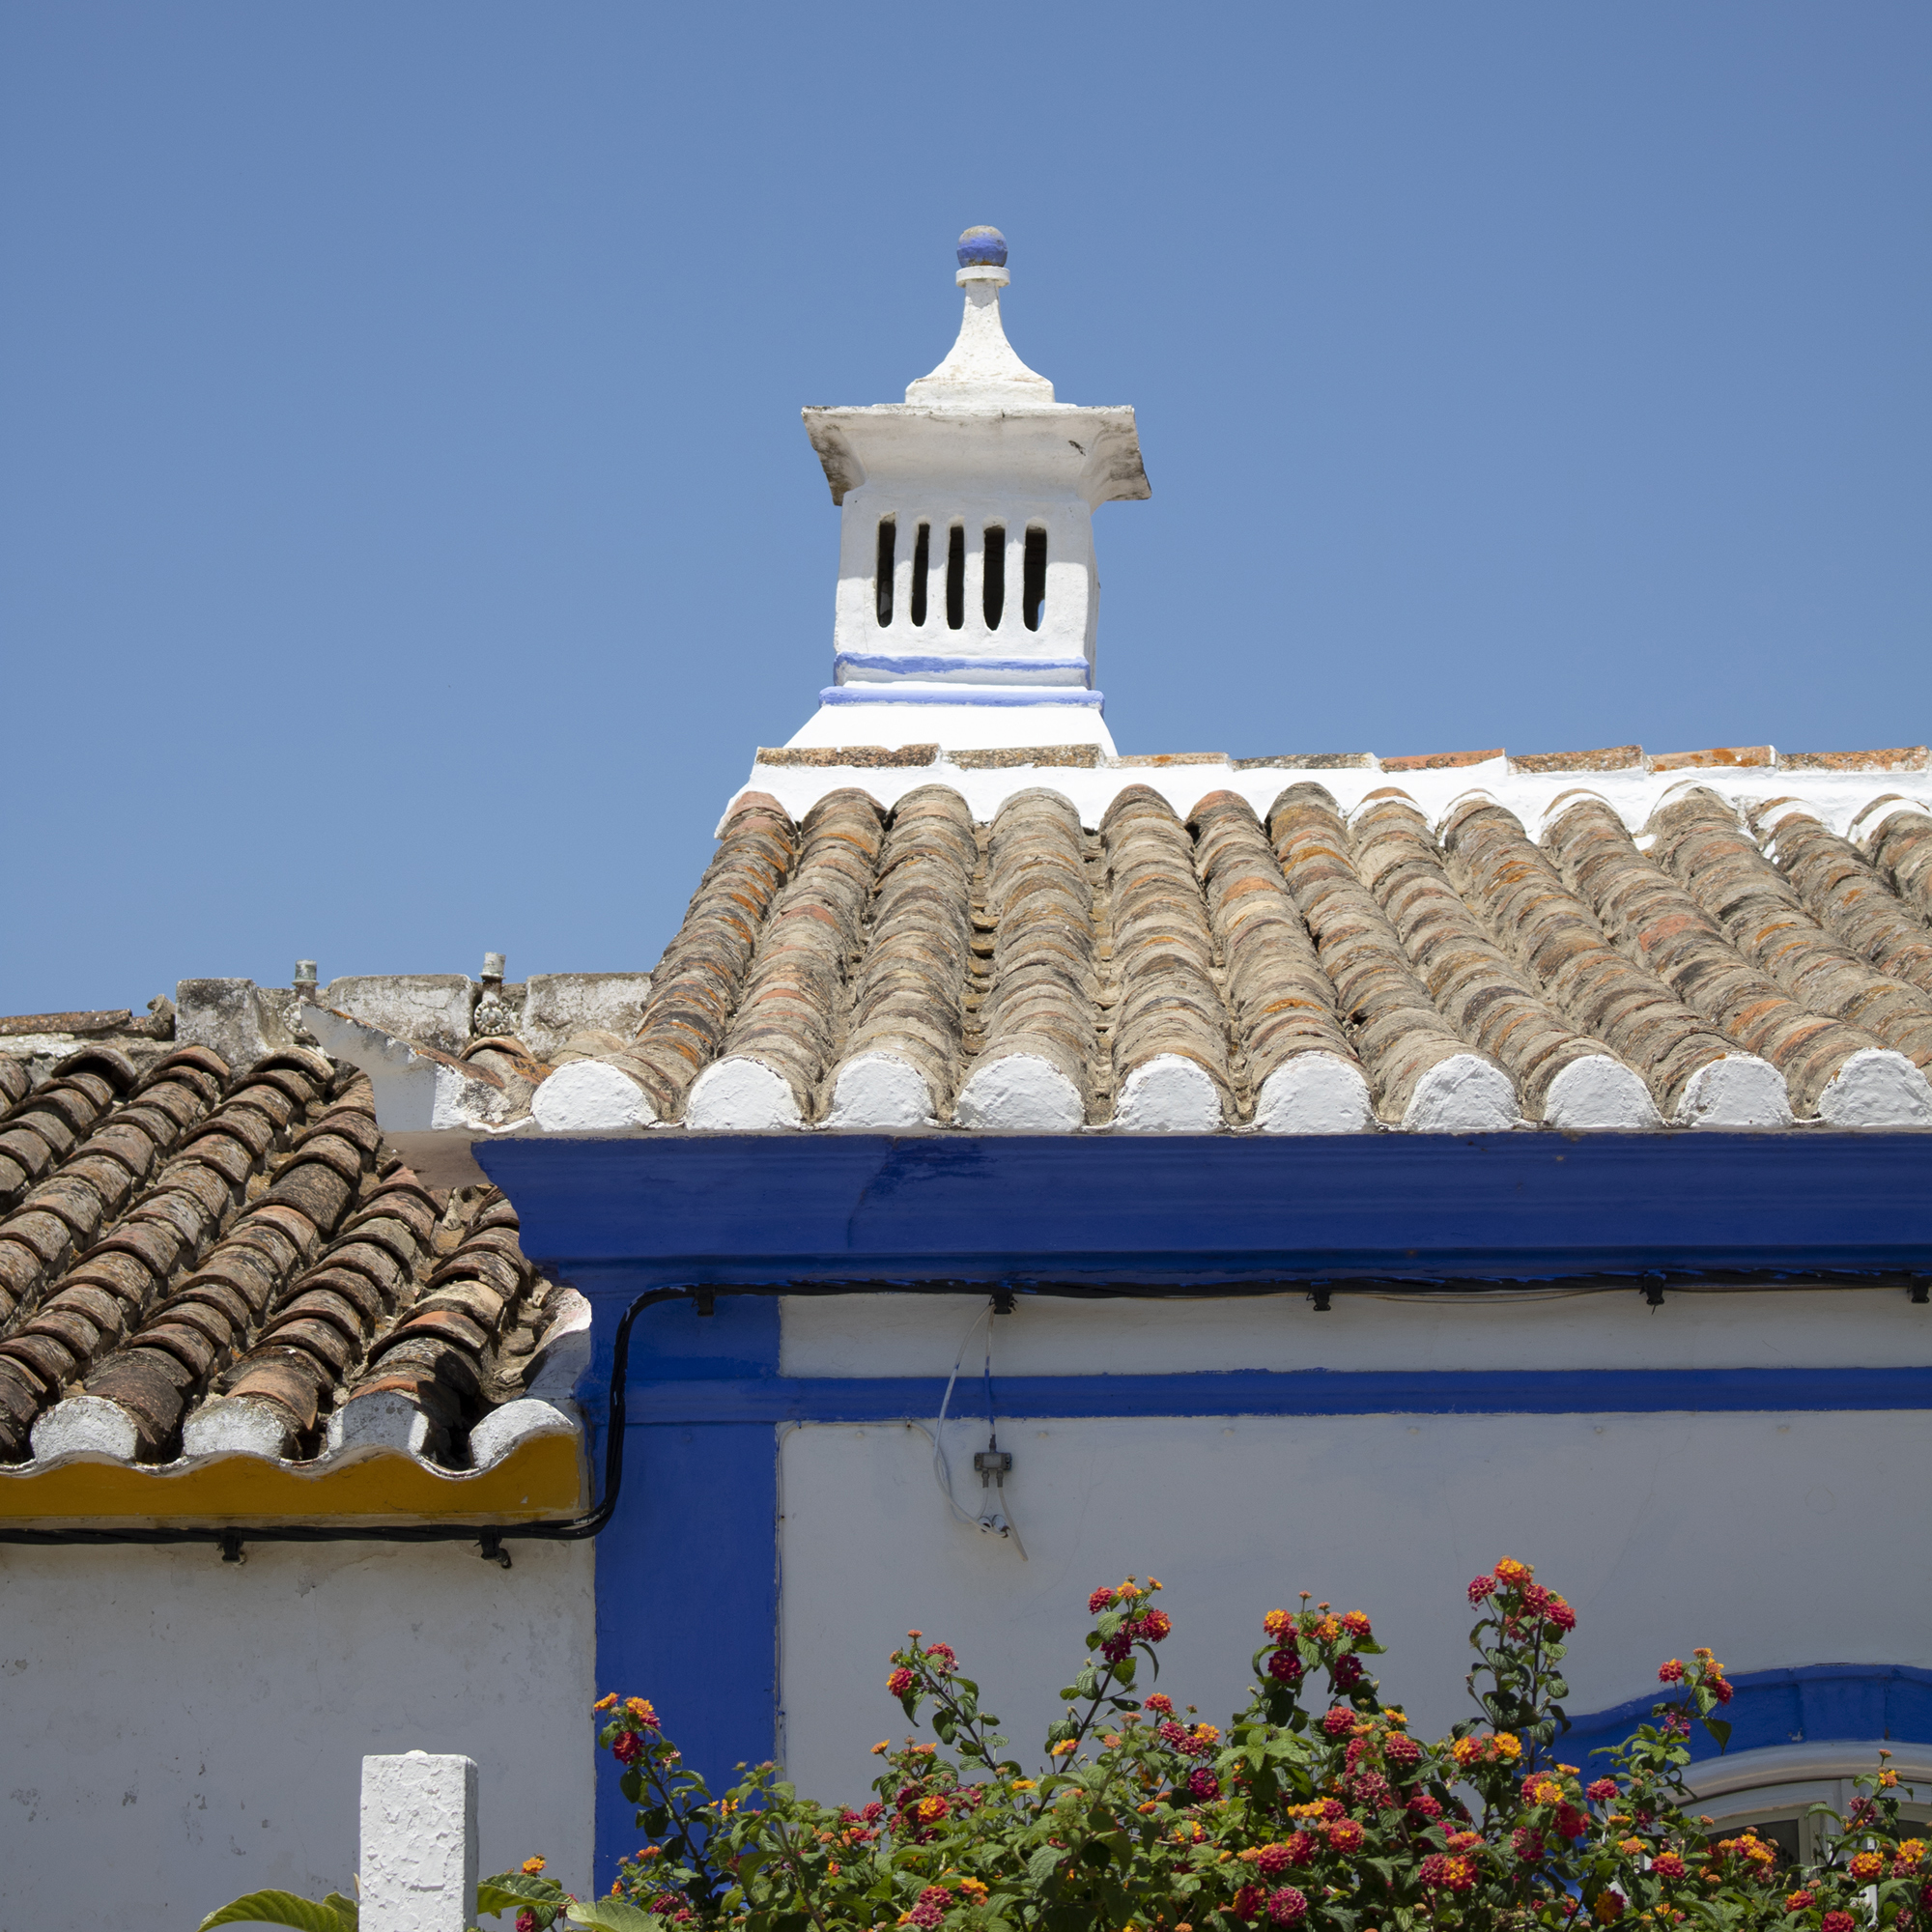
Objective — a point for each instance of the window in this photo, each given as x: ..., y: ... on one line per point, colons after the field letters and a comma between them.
x: 1032, y: 577
x: 882, y: 571
x: 1737, y: 1793
x: 993, y: 581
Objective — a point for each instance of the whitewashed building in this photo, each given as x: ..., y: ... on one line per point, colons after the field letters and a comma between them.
x: 1026, y: 1164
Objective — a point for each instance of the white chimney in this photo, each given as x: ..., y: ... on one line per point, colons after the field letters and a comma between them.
x: 968, y: 600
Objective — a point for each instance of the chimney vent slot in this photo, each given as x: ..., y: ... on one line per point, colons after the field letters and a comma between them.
x: 1032, y: 585
x: 921, y: 564
x: 956, y: 579
x: 882, y: 575
x: 993, y: 587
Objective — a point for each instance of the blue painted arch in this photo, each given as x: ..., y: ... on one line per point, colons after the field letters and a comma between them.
x: 1813, y: 1703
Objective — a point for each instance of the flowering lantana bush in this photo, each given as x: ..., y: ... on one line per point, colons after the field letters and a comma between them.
x: 1312, y: 1806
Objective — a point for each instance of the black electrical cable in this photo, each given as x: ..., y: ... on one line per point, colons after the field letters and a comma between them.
x: 492, y: 1536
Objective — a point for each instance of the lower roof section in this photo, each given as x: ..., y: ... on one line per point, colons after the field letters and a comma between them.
x: 1108, y: 1211
x: 544, y: 1477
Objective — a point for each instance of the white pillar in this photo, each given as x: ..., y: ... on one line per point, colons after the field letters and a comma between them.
x: 418, y: 1863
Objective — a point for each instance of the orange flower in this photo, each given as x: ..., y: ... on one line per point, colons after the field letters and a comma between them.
x: 1510, y: 1572
x: 532, y: 1867
x: 1277, y: 1623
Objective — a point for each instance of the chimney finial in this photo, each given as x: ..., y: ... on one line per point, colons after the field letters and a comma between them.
x: 982, y: 370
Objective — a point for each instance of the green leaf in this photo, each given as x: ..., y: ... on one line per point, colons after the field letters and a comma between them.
x: 346, y: 1909
x: 1721, y: 1729
x: 614, y: 1914
x: 507, y: 1888
x: 1040, y: 1866
x: 282, y: 1908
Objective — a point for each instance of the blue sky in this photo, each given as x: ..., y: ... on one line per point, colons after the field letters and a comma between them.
x: 407, y: 534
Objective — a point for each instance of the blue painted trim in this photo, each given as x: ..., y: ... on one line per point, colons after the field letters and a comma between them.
x: 1210, y: 1210
x: 687, y: 1572
x: 908, y: 666
x: 1812, y: 1704
x: 959, y: 694
x: 1298, y: 1392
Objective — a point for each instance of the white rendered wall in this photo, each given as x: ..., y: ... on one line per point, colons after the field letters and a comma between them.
x: 182, y: 1730
x: 1778, y: 1540
x: 907, y: 1335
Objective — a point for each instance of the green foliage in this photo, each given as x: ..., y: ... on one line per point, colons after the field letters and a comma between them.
x: 334, y: 1914
x: 1313, y: 1810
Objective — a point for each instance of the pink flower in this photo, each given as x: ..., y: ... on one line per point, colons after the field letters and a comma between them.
x: 1301, y: 1848
x: 1247, y: 1901
x: 1285, y: 1667
x: 899, y: 1681
x: 1204, y: 1784
x: 1603, y: 1791
x: 1667, y: 1864
x: 1373, y: 1791
x: 1423, y: 1806
x: 1102, y: 1599
x: 1159, y: 1701
x: 1338, y: 1722
x: 1671, y: 1672
x: 1348, y: 1671
x: 1402, y: 1751
x: 1835, y: 1921
x: 1271, y: 1861
x: 1482, y: 1586
x: 943, y: 1655
x: 1288, y: 1906
x: 627, y: 1747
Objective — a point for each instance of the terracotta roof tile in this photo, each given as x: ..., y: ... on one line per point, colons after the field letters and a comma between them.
x: 855, y: 755
x: 1720, y: 756
x: 1440, y: 761
x: 200, y: 1238
x: 1010, y: 758
x: 1612, y: 758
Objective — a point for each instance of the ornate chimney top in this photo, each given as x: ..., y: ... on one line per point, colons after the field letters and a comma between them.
x: 966, y: 578
x: 981, y: 367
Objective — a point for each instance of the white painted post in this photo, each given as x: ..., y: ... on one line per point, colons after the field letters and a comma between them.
x: 418, y: 1863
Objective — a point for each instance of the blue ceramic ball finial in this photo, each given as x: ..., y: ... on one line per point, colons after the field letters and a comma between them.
x: 982, y: 249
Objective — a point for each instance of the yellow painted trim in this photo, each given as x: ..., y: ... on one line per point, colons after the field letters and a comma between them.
x: 543, y: 1477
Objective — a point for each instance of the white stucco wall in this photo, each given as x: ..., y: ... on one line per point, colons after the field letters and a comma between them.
x: 179, y: 1730
x: 1777, y: 1539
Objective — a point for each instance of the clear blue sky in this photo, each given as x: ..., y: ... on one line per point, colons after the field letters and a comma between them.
x: 407, y: 534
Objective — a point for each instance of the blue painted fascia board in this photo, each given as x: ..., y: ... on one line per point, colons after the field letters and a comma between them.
x: 1212, y: 1209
